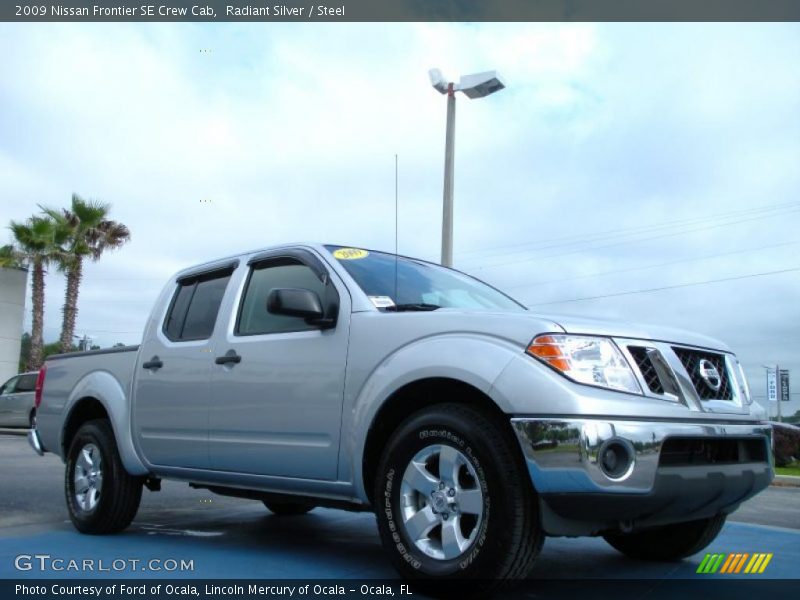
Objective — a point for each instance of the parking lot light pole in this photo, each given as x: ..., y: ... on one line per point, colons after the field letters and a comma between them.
x: 476, y: 85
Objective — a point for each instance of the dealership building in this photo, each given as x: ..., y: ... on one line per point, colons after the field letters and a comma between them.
x: 13, y: 285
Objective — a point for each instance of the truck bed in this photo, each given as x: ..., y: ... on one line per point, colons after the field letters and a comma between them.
x: 105, y: 373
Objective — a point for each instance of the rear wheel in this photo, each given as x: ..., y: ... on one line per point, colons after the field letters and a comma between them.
x: 288, y: 509
x: 453, y: 500
x: 102, y: 497
x: 671, y: 542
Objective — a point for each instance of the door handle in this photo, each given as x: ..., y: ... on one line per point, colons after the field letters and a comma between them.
x: 230, y: 357
x: 154, y: 363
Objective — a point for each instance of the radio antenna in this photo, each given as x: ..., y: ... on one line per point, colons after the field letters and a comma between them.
x: 396, y: 299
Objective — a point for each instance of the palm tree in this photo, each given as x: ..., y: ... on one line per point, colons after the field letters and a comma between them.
x: 90, y: 235
x: 38, y: 243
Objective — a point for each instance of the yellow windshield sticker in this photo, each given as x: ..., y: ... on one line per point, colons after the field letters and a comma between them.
x: 350, y: 254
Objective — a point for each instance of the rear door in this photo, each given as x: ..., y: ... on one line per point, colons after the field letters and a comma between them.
x: 171, y: 392
x: 277, y: 411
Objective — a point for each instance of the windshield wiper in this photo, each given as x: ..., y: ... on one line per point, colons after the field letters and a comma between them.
x: 409, y: 307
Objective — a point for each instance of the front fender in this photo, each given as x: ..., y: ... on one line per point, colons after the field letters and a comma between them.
x: 104, y: 387
x: 477, y: 360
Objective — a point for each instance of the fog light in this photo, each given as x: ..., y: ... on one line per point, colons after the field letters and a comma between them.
x: 615, y: 458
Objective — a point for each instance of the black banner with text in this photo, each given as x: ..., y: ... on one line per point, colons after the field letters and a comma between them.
x: 401, y: 10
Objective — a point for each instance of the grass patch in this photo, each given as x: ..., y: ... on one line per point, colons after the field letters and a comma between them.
x: 793, y: 469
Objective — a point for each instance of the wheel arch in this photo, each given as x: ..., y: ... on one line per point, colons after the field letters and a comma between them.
x: 412, y: 398
x: 100, y: 396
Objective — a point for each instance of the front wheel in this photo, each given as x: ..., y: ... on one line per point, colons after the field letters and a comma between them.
x: 453, y: 500
x: 102, y: 497
x: 671, y: 542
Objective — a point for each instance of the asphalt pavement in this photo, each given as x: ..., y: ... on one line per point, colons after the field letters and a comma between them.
x: 234, y: 538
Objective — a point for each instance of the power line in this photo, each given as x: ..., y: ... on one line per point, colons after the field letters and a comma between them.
x: 668, y: 287
x: 638, y: 228
x: 644, y: 239
x: 651, y: 266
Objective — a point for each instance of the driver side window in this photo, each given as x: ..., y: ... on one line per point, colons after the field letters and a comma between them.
x: 254, y: 319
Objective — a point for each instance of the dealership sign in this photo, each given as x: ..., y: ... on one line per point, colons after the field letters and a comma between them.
x: 784, y: 385
x: 772, y: 386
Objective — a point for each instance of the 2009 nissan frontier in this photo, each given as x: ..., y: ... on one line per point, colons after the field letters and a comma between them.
x: 312, y: 375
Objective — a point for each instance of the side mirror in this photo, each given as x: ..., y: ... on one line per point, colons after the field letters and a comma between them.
x: 294, y: 302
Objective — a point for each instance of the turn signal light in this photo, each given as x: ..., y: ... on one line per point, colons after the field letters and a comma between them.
x: 549, y: 350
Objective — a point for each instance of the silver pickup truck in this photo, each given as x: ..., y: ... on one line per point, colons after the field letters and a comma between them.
x: 316, y: 375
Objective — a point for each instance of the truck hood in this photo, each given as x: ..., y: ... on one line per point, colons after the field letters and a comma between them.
x: 625, y: 329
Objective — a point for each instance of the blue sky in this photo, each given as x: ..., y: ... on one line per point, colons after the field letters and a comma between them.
x: 620, y: 158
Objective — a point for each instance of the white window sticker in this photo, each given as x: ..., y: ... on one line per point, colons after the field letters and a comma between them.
x: 382, y: 301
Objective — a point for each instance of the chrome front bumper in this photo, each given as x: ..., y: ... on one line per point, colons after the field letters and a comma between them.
x: 565, y: 462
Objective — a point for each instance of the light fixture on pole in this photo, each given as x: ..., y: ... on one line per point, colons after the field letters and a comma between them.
x: 476, y: 85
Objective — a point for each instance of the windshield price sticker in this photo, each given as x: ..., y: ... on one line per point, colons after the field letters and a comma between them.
x: 382, y: 301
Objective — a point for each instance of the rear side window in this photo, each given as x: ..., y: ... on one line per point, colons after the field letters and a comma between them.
x: 26, y: 383
x: 195, y: 307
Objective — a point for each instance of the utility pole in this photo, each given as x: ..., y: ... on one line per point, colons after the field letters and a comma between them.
x: 780, y: 393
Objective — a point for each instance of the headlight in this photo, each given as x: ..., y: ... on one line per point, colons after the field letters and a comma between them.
x: 586, y: 359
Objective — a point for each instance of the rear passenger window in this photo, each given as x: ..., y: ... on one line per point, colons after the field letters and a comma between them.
x: 195, y: 306
x: 26, y: 383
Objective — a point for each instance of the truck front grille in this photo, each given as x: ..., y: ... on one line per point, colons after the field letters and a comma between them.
x: 687, y: 451
x: 646, y: 368
x: 693, y: 360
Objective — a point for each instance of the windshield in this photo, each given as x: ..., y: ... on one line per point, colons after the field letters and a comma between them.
x: 419, y: 285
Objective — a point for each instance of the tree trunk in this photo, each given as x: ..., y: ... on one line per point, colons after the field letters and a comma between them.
x: 37, y: 293
x: 70, y: 310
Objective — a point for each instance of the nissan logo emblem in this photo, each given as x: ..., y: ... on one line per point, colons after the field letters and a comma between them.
x: 710, y: 374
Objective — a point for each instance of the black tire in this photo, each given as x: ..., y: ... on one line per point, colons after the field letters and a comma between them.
x: 671, y: 542
x: 288, y: 509
x: 119, y: 492
x: 32, y: 419
x: 507, y: 536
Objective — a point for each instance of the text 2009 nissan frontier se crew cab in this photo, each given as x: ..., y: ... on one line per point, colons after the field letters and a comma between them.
x: 311, y: 375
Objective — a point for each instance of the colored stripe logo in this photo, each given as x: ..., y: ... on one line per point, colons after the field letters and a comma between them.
x: 735, y: 562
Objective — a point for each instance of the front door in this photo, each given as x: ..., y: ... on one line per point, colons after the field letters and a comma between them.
x: 277, y: 410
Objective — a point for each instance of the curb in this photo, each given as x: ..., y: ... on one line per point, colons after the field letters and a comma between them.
x: 786, y: 481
